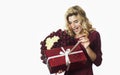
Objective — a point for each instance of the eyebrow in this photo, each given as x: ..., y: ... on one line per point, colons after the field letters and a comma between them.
x: 75, y: 20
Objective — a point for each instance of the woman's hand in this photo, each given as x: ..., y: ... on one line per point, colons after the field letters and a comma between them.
x: 84, y: 40
x: 60, y: 71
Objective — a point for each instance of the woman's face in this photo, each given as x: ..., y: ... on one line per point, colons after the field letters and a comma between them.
x: 75, y: 24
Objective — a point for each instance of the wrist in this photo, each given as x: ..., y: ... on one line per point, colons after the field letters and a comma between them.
x: 87, y: 48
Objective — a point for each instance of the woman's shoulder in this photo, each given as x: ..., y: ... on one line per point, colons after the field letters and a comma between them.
x: 94, y: 32
x: 94, y: 35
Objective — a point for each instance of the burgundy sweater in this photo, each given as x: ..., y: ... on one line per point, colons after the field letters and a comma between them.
x: 95, y: 45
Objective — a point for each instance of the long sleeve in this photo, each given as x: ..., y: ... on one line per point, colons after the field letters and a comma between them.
x: 96, y: 47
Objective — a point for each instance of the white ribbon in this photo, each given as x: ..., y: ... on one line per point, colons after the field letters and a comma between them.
x: 56, y: 56
x: 66, y: 53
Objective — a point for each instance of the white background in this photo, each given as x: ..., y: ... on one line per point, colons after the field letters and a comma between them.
x: 24, y: 23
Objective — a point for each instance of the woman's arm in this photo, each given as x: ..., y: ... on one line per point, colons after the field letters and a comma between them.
x: 91, y: 54
x: 94, y: 51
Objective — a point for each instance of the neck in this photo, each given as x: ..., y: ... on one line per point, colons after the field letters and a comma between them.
x: 77, y: 35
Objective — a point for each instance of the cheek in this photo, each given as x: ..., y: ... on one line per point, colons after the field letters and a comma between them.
x: 80, y: 27
x: 78, y: 24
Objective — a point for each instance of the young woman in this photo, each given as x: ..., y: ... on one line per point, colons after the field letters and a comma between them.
x: 79, y: 27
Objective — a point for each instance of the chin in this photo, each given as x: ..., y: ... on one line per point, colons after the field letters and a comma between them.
x: 77, y: 33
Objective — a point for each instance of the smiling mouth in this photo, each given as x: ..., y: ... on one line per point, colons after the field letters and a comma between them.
x: 75, y: 29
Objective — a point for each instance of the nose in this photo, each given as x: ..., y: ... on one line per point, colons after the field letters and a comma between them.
x: 73, y: 25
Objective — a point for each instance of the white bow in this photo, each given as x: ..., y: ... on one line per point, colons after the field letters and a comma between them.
x: 66, y: 53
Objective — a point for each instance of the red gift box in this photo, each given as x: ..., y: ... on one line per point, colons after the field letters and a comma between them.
x: 57, y: 61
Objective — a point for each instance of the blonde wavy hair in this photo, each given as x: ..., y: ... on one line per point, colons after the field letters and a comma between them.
x: 77, y: 10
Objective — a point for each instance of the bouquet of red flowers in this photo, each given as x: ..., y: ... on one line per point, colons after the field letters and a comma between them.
x: 60, y: 38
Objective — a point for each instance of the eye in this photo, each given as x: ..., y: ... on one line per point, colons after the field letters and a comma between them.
x: 76, y: 21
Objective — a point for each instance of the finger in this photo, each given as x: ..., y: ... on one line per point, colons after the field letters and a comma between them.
x: 83, y: 39
x: 60, y: 71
